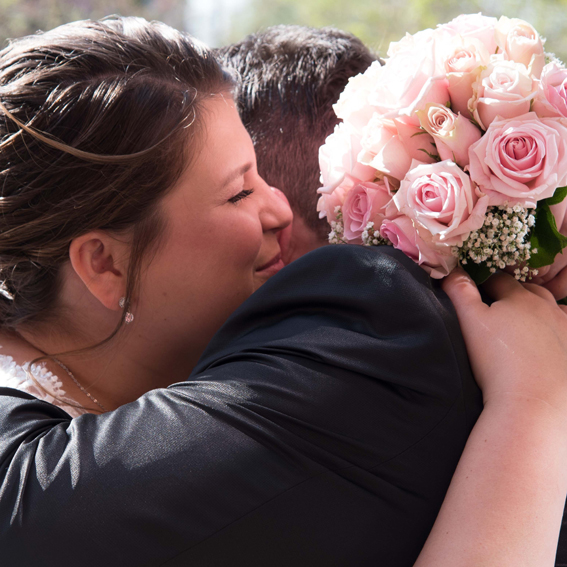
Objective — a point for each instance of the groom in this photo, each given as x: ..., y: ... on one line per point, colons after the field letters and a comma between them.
x: 290, y: 78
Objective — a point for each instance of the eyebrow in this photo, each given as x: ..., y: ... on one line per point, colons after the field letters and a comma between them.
x: 236, y: 174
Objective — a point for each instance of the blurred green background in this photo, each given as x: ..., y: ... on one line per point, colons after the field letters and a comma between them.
x: 218, y: 22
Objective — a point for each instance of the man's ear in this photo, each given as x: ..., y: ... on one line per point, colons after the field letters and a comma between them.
x: 101, y: 262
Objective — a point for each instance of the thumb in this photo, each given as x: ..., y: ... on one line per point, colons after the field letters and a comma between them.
x: 463, y: 293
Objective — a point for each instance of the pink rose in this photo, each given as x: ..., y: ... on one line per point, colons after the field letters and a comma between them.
x: 364, y: 203
x: 465, y: 55
x: 441, y: 198
x: 463, y: 62
x: 453, y: 134
x: 520, y: 161
x: 353, y: 106
x: 411, y: 42
x: 418, y: 144
x: 338, y: 156
x: 503, y: 89
x: 384, y: 149
x: 436, y: 259
x: 551, y: 98
x: 330, y: 199
x: 521, y: 42
x: 410, y: 78
x: 474, y: 26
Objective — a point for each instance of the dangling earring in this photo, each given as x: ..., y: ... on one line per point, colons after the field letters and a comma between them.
x: 128, y: 317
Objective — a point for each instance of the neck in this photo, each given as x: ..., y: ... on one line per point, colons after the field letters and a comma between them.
x: 119, y: 372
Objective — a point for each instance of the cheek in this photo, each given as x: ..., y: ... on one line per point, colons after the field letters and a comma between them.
x: 230, y: 244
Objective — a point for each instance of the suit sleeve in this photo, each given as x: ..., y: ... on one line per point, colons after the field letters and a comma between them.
x: 321, y: 427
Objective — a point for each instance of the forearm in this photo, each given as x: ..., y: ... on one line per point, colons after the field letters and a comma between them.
x: 506, y: 499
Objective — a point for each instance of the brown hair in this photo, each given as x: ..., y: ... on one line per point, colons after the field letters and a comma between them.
x: 97, y: 122
x: 290, y: 78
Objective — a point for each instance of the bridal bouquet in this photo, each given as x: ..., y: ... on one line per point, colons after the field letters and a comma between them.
x: 454, y: 151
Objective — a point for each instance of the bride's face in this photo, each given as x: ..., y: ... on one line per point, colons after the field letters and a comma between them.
x: 220, y: 243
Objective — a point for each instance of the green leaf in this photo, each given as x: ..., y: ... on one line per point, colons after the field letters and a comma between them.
x: 432, y: 156
x: 421, y: 132
x: 478, y: 272
x: 545, y: 237
x: 558, y: 196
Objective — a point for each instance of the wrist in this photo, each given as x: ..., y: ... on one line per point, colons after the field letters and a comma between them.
x: 528, y: 407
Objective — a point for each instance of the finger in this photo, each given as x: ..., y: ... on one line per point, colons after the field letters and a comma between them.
x: 462, y: 292
x: 539, y: 290
x: 543, y: 271
x: 558, y: 285
x: 501, y: 285
x: 541, y: 275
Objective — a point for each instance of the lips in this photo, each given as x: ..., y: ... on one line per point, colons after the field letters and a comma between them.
x: 272, y: 263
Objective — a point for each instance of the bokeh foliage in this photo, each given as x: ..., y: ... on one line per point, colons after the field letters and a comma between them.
x: 376, y: 22
x: 379, y: 22
x: 24, y: 17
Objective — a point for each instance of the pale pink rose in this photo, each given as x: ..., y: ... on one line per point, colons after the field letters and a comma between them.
x: 464, y: 55
x: 338, y: 156
x: 441, y: 198
x: 463, y: 61
x: 353, y: 106
x: 474, y: 26
x: 461, y: 91
x: 551, y: 97
x: 503, y: 89
x: 453, y: 134
x: 436, y: 259
x: 411, y: 42
x: 418, y: 144
x: 389, y: 146
x: 521, y: 161
x: 328, y: 202
x: 521, y: 42
x: 382, y: 148
x: 410, y: 79
x: 366, y: 202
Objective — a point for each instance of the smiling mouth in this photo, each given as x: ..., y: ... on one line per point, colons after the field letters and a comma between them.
x: 272, y: 264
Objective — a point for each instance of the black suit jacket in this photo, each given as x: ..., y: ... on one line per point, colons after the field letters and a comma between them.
x: 320, y: 428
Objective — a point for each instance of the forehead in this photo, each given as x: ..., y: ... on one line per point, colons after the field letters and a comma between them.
x: 226, y: 147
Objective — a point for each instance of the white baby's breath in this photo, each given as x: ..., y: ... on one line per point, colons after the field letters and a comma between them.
x: 337, y: 228
x: 372, y: 237
x: 501, y: 241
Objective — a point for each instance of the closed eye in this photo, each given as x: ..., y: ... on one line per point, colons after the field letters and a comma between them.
x: 242, y: 195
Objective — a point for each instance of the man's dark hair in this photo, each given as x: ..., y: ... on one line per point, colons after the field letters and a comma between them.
x: 290, y: 78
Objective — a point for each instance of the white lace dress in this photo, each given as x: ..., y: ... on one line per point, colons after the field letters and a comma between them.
x: 13, y: 375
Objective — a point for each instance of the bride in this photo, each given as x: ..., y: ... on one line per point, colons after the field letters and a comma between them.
x: 133, y: 224
x: 120, y: 239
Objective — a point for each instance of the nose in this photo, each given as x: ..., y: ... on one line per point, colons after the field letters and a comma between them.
x: 276, y: 212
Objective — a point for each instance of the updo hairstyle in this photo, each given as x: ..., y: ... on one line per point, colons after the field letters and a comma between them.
x: 97, y: 122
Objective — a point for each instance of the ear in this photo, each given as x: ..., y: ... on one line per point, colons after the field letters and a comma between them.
x: 101, y: 262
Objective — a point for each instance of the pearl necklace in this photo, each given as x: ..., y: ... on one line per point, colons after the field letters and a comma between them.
x: 71, y: 375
